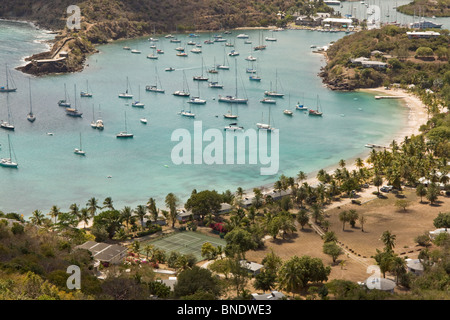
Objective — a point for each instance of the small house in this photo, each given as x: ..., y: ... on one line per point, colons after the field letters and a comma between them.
x: 252, y: 267
x: 104, y: 252
x: 414, y: 266
x: 274, y: 295
x: 382, y: 284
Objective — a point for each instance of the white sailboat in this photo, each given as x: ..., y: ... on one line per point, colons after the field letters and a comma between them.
x: 272, y: 38
x: 230, y: 114
x: 80, y: 151
x: 265, y: 126
x: 187, y: 113
x: 301, y: 106
x: 185, y: 91
x: 234, y: 99
x: 233, y: 127
x: 86, y: 94
x: 288, y: 112
x: 7, y: 162
x: 201, y: 77
x: 126, y: 95
x: 316, y: 112
x: 138, y: 103
x: 30, y: 116
x: 197, y: 100
x: 73, y: 112
x: 7, y: 88
x: 255, y: 76
x: 154, y: 88
x: 225, y: 65
x: 93, y: 123
x: 275, y: 93
x: 124, y: 134
x: 7, y: 125
x: 97, y: 124
x: 64, y: 103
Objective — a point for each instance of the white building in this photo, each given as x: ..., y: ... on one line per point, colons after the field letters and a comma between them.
x: 422, y: 34
x: 338, y: 22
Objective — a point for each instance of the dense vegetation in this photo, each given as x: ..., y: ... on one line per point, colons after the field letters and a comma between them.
x: 428, y: 8
x: 104, y: 20
x: 164, y: 16
x: 423, y: 63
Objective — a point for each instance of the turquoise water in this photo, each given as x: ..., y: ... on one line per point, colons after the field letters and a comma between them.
x: 49, y: 173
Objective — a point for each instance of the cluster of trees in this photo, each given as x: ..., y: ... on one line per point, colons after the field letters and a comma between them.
x: 427, y: 8
x: 393, y: 41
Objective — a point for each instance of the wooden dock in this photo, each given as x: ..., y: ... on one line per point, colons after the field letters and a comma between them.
x: 389, y: 97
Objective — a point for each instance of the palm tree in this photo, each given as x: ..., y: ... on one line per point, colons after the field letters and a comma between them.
x: 75, y: 210
x: 171, y: 203
x: 149, y: 249
x: 301, y: 195
x: 321, y: 175
x: 92, y: 206
x: 141, y: 212
x: 432, y: 193
x: 343, y: 217
x: 151, y: 205
x: 240, y: 192
x: 301, y: 176
x: 37, y: 217
x: 208, y: 219
x: 342, y: 163
x: 302, y: 218
x: 362, y: 220
x: 377, y: 181
x: 421, y: 191
x: 84, y: 216
x: 126, y: 214
x: 388, y: 239
x: 317, y: 212
x: 54, y: 212
x: 398, y: 267
x: 289, y: 277
x: 136, y: 246
x: 108, y: 203
x: 359, y: 163
x: 278, y: 186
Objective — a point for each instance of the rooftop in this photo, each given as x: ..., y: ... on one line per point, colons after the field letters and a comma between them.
x: 274, y: 295
x: 103, y: 251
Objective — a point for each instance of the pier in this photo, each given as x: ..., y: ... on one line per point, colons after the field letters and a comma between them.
x: 388, y: 97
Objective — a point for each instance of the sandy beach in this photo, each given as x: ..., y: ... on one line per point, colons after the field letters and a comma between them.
x: 417, y: 116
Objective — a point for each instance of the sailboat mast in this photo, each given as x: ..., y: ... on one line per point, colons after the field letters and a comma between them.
x: 7, y: 78
x: 235, y: 64
x: 29, y: 85
x: 276, y: 80
x: 9, y: 147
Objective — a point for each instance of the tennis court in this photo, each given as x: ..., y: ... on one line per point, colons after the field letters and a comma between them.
x: 187, y: 242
